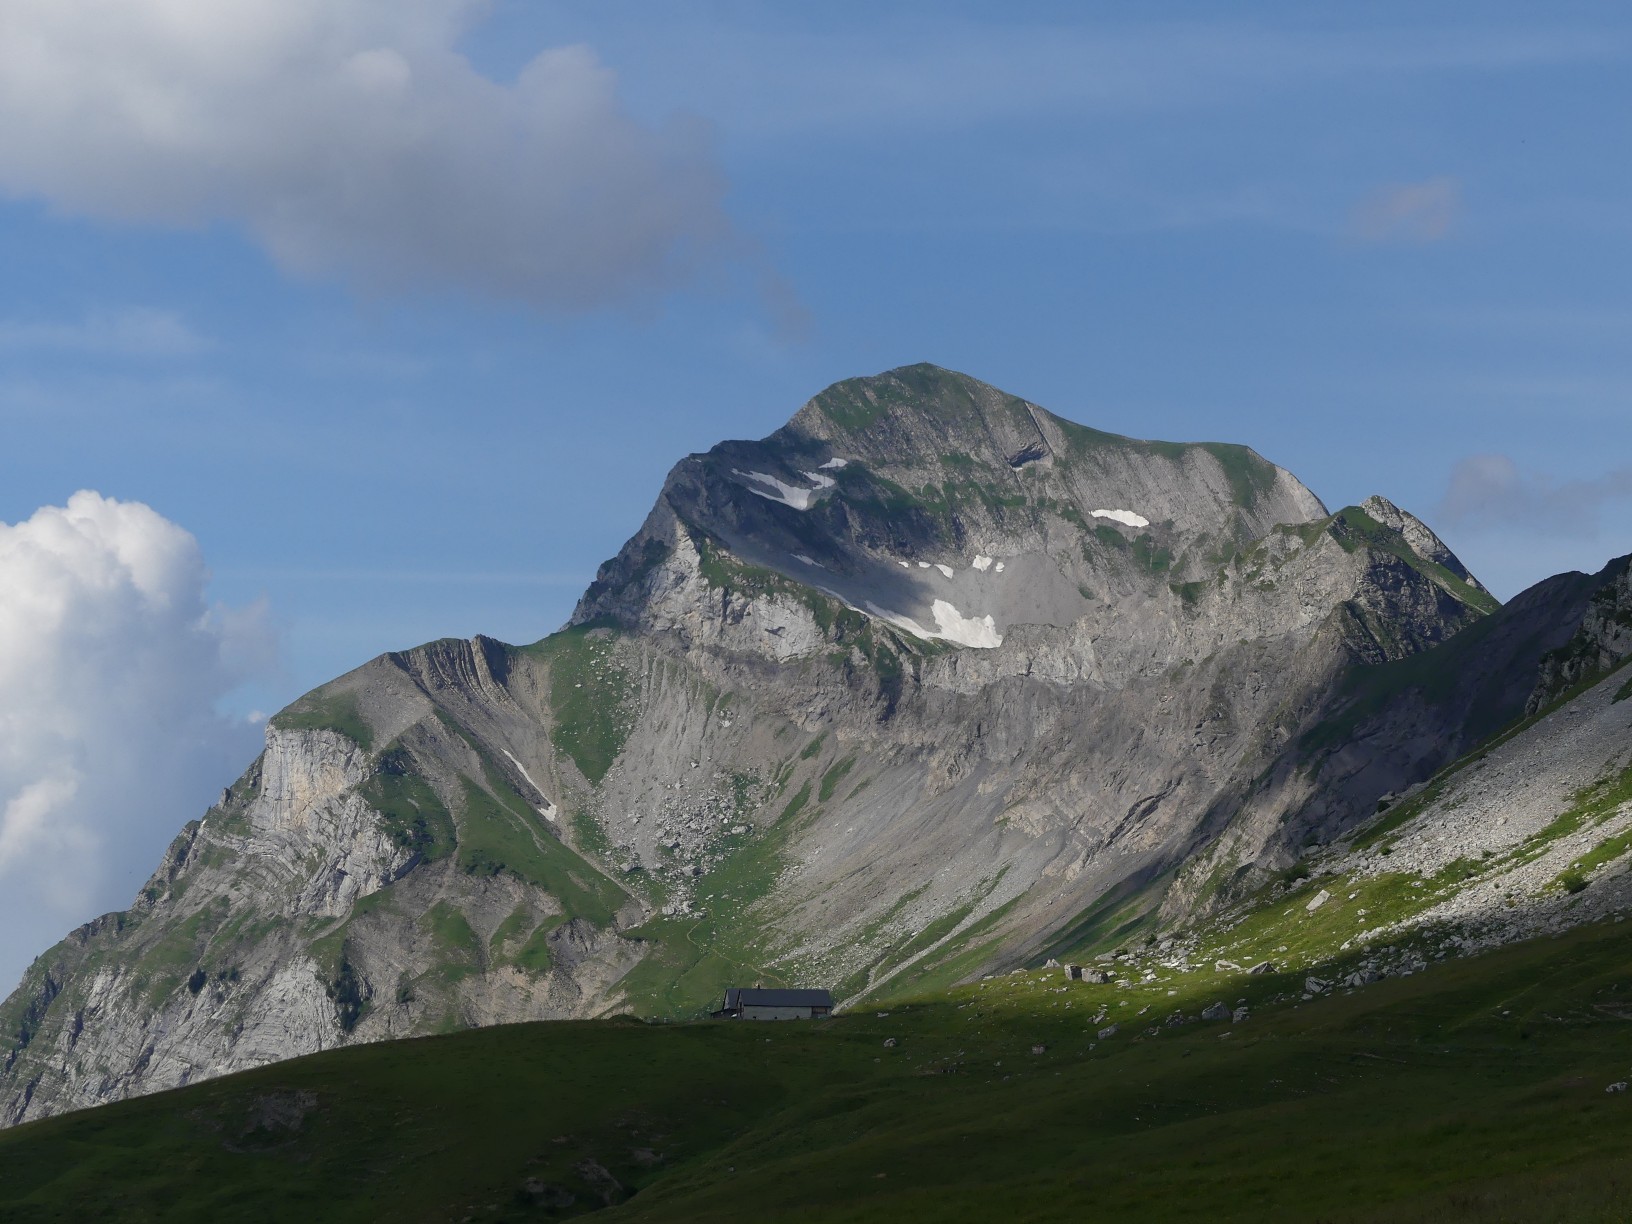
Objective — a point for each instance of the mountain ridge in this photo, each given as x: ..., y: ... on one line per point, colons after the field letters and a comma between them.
x: 750, y: 755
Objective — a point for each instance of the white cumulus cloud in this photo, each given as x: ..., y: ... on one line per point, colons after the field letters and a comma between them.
x: 351, y: 138
x: 111, y: 665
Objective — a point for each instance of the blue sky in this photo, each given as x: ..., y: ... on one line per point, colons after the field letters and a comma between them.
x: 1149, y: 225
x: 412, y: 366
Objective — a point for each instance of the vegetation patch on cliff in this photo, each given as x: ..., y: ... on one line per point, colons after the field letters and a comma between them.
x: 412, y: 815
x: 325, y: 710
x: 593, y: 698
x: 495, y: 837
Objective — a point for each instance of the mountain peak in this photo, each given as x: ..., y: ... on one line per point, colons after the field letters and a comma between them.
x: 897, y: 694
x: 914, y: 416
x: 940, y: 505
x: 925, y: 410
x: 1420, y: 537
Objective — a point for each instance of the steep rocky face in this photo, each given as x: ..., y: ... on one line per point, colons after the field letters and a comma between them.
x: 1422, y: 712
x: 1419, y: 538
x: 1602, y: 643
x: 924, y: 683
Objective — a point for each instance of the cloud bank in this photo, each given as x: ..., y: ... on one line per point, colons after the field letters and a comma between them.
x: 351, y: 139
x: 111, y: 664
x: 1491, y: 492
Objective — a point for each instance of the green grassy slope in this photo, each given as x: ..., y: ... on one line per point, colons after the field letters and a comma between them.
x: 1475, y: 1091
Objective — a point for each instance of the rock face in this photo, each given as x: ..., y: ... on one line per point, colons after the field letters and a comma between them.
x: 1602, y: 643
x: 333, y: 895
x: 925, y: 684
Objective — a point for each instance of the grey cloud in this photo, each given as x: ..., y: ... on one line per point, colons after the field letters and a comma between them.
x: 1492, y: 491
x: 136, y: 332
x: 1409, y: 212
x: 351, y: 139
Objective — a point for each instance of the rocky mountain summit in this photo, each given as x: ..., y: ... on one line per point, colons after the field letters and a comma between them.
x: 926, y: 684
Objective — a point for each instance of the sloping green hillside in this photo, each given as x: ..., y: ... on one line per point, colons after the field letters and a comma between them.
x: 1474, y: 1091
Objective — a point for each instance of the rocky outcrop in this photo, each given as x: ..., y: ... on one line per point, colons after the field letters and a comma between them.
x: 1419, y: 538
x: 923, y: 683
x: 1601, y: 643
x: 313, y: 839
x: 134, y: 1007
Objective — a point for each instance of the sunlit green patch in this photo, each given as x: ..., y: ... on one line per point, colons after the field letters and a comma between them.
x: 325, y: 710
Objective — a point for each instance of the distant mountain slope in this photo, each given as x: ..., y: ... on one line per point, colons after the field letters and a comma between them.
x: 1528, y: 834
x: 896, y: 696
x: 1392, y: 724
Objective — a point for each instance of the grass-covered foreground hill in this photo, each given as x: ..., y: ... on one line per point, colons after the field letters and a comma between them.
x: 1480, y: 1089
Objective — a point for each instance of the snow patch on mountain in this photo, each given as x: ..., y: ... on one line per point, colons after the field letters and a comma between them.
x: 977, y: 631
x: 547, y: 809
x: 788, y: 495
x: 1126, y: 517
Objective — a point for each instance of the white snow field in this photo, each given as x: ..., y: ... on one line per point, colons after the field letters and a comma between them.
x: 1126, y: 517
x: 979, y: 632
x: 548, y: 811
x: 788, y: 495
